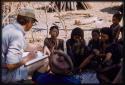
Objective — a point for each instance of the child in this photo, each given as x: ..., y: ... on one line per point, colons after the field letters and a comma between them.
x: 116, y: 26
x: 76, y: 48
x: 53, y: 43
x: 94, y: 43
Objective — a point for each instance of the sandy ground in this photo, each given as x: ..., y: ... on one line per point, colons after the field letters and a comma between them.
x: 99, y: 11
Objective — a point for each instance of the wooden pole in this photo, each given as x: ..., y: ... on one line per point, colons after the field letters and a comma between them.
x: 61, y: 19
x: 46, y: 21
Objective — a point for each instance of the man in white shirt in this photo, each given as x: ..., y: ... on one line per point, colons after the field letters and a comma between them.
x: 13, y: 43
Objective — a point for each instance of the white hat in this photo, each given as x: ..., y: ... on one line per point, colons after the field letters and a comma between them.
x: 28, y: 13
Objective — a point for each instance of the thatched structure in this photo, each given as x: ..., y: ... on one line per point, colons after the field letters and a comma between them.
x: 67, y: 6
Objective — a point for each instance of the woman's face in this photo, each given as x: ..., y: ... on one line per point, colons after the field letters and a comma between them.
x: 104, y: 37
x: 76, y: 37
x: 54, y: 33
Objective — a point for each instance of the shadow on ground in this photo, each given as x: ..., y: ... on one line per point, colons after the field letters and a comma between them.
x: 111, y: 10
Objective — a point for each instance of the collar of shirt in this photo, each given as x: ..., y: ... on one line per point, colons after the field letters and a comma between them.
x: 20, y: 27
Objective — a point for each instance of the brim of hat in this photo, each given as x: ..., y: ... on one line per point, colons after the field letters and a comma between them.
x: 29, y: 17
x: 36, y: 20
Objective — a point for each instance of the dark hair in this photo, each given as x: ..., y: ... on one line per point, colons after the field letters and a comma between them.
x: 23, y: 19
x: 96, y: 30
x: 77, y: 31
x: 54, y: 27
x: 118, y: 16
x: 108, y: 31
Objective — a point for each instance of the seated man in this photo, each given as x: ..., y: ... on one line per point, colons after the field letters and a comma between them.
x: 60, y: 71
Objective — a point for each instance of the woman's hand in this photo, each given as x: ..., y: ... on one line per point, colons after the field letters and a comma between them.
x: 46, y: 51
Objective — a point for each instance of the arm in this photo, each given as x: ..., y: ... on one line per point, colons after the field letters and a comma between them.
x: 14, y: 53
x: 13, y: 66
x: 118, y: 32
x: 108, y: 56
x: 86, y: 61
x: 29, y: 57
x: 46, y: 50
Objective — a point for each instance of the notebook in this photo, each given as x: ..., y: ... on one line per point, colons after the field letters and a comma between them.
x: 39, y: 56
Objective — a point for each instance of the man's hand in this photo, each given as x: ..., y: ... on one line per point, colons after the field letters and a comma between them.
x: 30, y: 56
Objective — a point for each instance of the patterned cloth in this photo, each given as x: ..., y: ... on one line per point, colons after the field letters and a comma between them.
x: 88, y: 77
x: 48, y: 79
